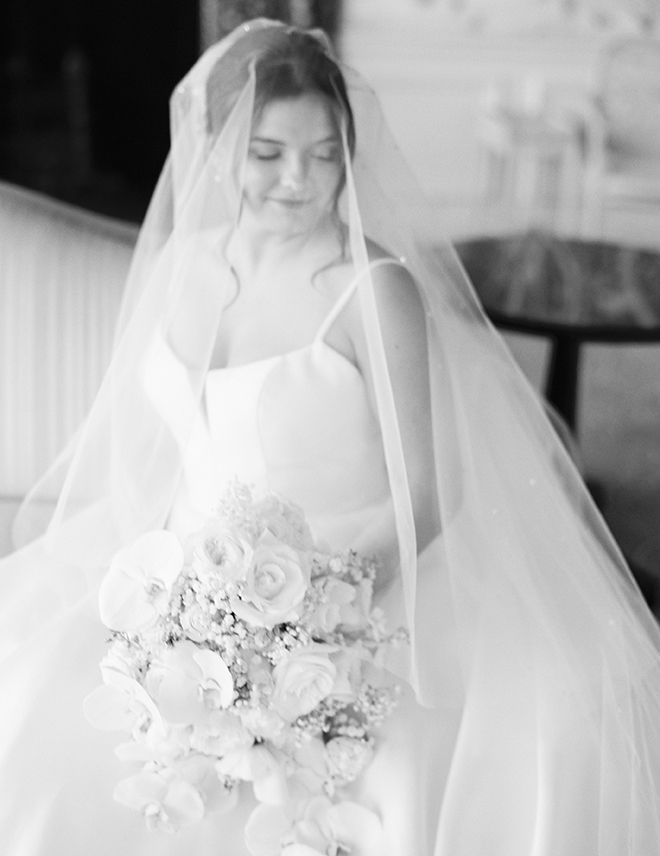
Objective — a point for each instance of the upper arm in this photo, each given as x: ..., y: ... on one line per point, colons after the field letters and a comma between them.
x: 402, y: 321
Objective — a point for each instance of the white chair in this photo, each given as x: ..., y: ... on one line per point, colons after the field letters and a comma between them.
x: 530, y: 158
x: 622, y: 132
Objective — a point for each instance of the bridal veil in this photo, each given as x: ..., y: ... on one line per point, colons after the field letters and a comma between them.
x: 523, y: 617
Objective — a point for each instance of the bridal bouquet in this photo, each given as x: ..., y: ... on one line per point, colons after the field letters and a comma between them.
x: 245, y: 655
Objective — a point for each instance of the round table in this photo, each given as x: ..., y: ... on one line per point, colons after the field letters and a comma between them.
x: 570, y: 291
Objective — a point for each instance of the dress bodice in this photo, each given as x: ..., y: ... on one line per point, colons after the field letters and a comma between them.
x: 300, y: 424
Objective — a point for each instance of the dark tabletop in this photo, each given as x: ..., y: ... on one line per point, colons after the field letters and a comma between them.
x: 536, y: 282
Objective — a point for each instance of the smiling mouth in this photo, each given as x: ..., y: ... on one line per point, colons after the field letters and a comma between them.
x: 289, y: 203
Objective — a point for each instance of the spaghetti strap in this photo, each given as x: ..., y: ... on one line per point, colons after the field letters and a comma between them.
x: 348, y: 293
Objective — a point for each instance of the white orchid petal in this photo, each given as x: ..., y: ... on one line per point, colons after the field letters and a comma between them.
x: 313, y: 829
x: 316, y: 811
x: 180, y: 657
x: 183, y: 803
x: 122, y: 605
x: 122, y: 560
x: 268, y: 779
x: 311, y: 755
x: 178, y: 697
x: 355, y: 827
x: 117, y: 704
x: 265, y: 830
x: 200, y: 771
x: 140, y: 790
x: 136, y: 575
x: 159, y: 554
x: 215, y: 669
x: 179, y: 802
x: 133, y: 751
x: 107, y: 708
x: 301, y: 850
x: 137, y: 692
x: 341, y: 592
x: 236, y: 764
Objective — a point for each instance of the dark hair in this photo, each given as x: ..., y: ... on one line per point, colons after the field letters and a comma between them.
x: 288, y: 62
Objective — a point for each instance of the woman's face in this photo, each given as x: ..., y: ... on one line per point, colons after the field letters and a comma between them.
x: 294, y: 166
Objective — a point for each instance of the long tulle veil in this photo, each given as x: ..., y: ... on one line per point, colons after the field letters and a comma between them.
x: 542, y: 639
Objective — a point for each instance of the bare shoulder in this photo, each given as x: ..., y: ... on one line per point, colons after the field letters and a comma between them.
x: 397, y: 297
x: 400, y: 309
x: 395, y: 288
x: 386, y: 268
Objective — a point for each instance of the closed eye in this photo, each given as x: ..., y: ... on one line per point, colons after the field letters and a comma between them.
x: 329, y: 153
x: 264, y: 152
x: 267, y: 150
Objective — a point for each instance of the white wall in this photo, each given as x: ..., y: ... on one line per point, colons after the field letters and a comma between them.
x: 432, y: 75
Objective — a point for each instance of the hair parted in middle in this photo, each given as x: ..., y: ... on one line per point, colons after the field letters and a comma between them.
x: 288, y: 62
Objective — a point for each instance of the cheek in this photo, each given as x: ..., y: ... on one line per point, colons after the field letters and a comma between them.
x: 257, y: 180
x: 329, y: 182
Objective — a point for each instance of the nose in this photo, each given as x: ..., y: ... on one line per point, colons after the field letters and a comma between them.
x: 294, y: 172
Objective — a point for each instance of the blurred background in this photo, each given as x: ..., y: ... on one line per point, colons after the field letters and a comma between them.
x: 533, y: 127
x: 85, y: 88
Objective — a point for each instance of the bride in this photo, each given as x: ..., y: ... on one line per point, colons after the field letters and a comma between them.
x: 284, y: 323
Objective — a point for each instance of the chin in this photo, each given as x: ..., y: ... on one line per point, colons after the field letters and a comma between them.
x: 291, y: 223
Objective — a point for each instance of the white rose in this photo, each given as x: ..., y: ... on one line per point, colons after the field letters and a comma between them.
x: 302, y: 680
x: 196, y: 622
x: 217, y: 549
x: 275, y: 584
x: 285, y: 520
x: 335, y: 608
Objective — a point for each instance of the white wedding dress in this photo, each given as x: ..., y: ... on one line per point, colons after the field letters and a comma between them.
x: 299, y: 424
x: 498, y: 769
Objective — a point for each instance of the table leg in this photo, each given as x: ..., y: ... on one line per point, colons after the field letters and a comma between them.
x: 562, y: 392
x: 562, y: 378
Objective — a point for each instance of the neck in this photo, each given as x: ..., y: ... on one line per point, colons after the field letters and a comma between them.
x: 252, y: 250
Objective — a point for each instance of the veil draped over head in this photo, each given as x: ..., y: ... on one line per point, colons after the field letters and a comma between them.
x: 521, y: 612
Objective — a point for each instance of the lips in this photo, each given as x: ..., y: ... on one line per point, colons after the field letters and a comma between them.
x: 290, y: 203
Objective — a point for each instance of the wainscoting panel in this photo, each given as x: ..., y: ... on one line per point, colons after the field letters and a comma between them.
x: 62, y: 273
